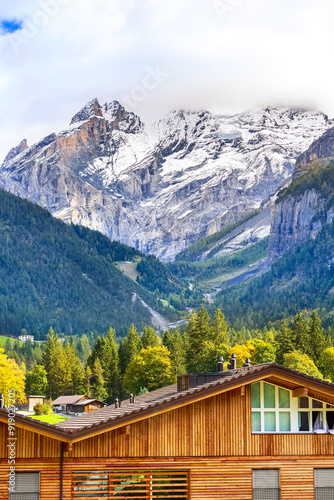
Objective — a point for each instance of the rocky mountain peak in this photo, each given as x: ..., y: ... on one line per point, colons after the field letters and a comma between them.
x: 113, y: 112
x: 91, y: 109
x: 17, y: 150
x: 161, y: 188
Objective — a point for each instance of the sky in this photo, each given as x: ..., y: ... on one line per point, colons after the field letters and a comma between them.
x: 154, y: 56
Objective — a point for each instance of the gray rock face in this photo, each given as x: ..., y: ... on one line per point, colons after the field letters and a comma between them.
x: 295, y: 220
x: 323, y: 147
x: 17, y: 150
x: 161, y: 187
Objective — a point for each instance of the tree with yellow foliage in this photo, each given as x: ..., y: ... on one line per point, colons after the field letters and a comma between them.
x: 11, y: 378
x: 151, y: 368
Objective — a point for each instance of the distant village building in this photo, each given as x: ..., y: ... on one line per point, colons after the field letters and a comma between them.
x: 24, y: 338
x: 77, y: 404
x: 30, y: 403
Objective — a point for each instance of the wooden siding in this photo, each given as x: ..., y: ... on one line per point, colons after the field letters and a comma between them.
x: 210, y: 479
x: 215, y: 427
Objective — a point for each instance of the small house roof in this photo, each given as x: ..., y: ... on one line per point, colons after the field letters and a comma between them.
x: 88, y: 402
x: 68, y: 400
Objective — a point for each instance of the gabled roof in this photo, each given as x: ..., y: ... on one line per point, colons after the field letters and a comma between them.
x: 88, y: 402
x: 68, y: 400
x: 167, y: 398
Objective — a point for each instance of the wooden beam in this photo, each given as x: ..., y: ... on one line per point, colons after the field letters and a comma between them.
x: 68, y: 447
x: 300, y: 392
x: 239, y: 391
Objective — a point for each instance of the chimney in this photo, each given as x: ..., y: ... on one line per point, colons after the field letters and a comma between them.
x: 233, y: 363
x: 1, y: 401
x: 247, y: 363
x: 220, y: 364
x: 132, y: 399
x: 116, y: 403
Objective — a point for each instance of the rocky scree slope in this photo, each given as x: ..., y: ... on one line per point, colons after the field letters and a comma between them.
x: 160, y: 188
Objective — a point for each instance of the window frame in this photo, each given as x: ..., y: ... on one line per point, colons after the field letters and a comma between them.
x: 293, y: 410
x: 276, y: 410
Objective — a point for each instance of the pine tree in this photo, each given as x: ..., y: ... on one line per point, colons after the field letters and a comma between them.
x: 88, y: 378
x: 129, y: 348
x: 149, y: 338
x: 177, y: 353
x: 49, y: 361
x: 99, y: 392
x: 111, y: 367
x: 284, y: 342
x: 218, y: 327
x: 316, y: 337
x: 74, y: 372
x: 167, y: 339
x: 300, y: 335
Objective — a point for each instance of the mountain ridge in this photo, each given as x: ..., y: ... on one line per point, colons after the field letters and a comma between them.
x: 159, y: 188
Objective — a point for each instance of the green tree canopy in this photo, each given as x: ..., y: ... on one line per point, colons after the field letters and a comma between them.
x: 37, y: 382
x: 151, y: 368
x: 262, y: 352
x: 302, y: 363
x: 327, y: 363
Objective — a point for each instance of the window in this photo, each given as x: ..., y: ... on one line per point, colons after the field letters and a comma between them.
x: 26, y: 486
x: 270, y: 408
x: 275, y: 410
x: 122, y: 485
x: 266, y: 484
x: 323, y: 484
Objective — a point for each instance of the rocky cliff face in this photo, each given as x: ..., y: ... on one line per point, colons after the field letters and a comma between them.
x: 296, y: 218
x: 320, y: 153
x: 160, y: 187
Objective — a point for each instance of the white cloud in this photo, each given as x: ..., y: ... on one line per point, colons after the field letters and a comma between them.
x: 258, y: 52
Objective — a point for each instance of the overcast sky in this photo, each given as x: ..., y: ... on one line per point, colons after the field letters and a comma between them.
x: 154, y: 56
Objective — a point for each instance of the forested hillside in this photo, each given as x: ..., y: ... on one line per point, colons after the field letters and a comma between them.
x: 53, y: 274
x: 302, y: 280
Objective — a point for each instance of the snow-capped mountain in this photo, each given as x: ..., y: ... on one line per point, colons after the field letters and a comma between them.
x: 161, y: 187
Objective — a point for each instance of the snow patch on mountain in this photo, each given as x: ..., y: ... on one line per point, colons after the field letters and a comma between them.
x: 162, y: 186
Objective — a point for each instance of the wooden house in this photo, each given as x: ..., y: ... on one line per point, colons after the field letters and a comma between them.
x: 77, y: 404
x: 258, y: 432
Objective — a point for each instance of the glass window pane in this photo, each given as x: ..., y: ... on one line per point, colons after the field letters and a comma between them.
x: 284, y: 421
x: 269, y: 396
x: 317, y: 404
x: 317, y: 420
x: 256, y: 395
x: 303, y: 403
x: 269, y: 421
x: 284, y: 398
x: 256, y: 421
x: 303, y: 421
